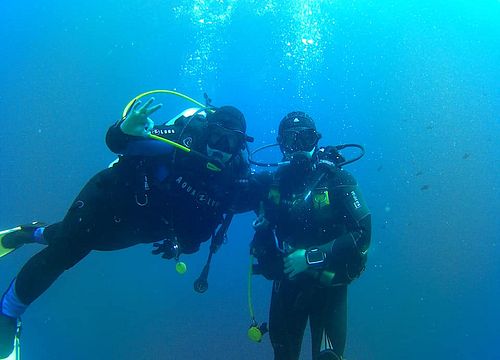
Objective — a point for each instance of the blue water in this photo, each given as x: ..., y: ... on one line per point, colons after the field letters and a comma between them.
x: 415, y: 82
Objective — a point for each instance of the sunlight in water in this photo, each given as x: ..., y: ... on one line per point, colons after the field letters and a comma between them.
x: 299, y: 26
x: 210, y: 18
x: 302, y: 41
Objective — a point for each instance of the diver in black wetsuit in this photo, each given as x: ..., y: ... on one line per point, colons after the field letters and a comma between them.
x: 154, y: 192
x: 312, y: 236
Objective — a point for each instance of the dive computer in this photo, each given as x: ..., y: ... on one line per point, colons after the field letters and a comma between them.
x: 315, y: 257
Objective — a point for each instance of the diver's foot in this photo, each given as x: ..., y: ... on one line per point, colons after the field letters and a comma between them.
x: 17, y: 237
x: 8, y: 330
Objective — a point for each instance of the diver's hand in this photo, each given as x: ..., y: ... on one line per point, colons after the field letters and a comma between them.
x: 168, y: 249
x: 295, y: 263
x: 137, y: 122
x: 260, y: 223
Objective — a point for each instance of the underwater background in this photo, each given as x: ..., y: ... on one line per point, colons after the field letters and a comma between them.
x: 415, y: 82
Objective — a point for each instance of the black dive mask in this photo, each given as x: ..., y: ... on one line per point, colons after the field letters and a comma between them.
x: 224, y: 139
x: 303, y: 140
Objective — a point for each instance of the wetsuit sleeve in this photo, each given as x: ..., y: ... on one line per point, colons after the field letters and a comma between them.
x: 346, y: 255
x: 251, y: 190
x: 127, y: 145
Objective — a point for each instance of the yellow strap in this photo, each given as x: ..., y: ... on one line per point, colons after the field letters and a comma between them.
x: 171, y: 92
x: 213, y: 167
x: 210, y: 166
x: 249, y: 292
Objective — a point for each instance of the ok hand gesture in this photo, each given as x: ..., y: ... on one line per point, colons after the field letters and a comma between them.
x: 137, y: 122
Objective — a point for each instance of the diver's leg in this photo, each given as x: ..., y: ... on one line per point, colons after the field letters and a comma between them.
x: 8, y: 329
x: 69, y: 242
x: 104, y: 216
x: 35, y: 277
x: 328, y: 322
x: 287, y: 320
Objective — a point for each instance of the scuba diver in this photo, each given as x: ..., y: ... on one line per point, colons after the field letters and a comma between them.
x: 173, y: 195
x: 312, y: 235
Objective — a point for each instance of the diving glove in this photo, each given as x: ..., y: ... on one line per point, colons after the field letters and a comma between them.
x: 169, y: 249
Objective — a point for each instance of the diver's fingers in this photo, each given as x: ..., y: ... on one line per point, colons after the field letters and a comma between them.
x: 157, y: 248
x: 291, y: 274
x: 144, y: 108
x: 135, y: 107
x: 287, y: 261
x: 152, y: 109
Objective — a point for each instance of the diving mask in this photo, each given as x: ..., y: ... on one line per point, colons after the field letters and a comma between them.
x: 225, y: 140
x: 299, y: 140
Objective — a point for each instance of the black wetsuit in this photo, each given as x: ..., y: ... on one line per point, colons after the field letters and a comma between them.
x: 333, y: 218
x: 152, y: 192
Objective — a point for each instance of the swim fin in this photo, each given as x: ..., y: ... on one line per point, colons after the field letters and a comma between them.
x: 12, y: 239
x: 16, y: 353
x: 5, y: 250
x: 17, y: 343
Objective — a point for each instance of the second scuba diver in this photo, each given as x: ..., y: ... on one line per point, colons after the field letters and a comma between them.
x: 154, y: 192
x: 311, y: 238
